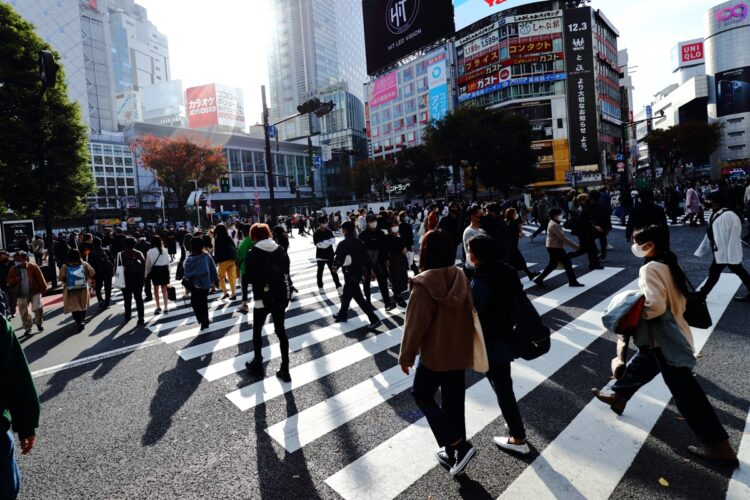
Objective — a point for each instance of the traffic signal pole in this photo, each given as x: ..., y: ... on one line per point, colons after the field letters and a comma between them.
x: 269, y: 157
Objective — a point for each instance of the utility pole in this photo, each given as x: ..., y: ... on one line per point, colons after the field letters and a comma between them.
x: 269, y: 157
x: 48, y: 75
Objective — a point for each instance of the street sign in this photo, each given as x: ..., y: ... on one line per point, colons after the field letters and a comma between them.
x: 620, y: 157
x: 272, y: 131
x: 327, y: 153
x: 317, y: 161
x: 649, y: 114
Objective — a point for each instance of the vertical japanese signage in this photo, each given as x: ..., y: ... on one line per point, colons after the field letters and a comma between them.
x: 230, y: 106
x: 579, y: 62
x: 438, y: 85
x: 201, y: 106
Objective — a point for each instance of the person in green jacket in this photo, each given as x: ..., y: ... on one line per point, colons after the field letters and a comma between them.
x: 19, y: 408
x: 245, y: 245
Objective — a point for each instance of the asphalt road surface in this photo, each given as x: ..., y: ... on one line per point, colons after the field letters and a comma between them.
x: 168, y: 412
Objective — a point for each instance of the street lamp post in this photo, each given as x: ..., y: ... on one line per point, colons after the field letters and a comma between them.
x: 47, y: 74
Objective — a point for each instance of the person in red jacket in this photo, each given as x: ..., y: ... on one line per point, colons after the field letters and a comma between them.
x: 28, y: 285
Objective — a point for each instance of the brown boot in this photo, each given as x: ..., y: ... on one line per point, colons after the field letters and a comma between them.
x: 720, y: 452
x: 615, y: 401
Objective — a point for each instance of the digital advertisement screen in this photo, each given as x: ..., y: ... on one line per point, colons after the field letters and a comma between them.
x: 733, y: 91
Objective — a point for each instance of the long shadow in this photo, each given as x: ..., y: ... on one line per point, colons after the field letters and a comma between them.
x: 176, y: 386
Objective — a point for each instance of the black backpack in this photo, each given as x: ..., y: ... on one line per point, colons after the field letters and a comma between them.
x: 531, y: 337
x: 100, y: 261
x: 133, y: 271
x: 277, y: 291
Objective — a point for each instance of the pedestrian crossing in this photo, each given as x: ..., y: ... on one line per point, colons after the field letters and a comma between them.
x: 576, y: 463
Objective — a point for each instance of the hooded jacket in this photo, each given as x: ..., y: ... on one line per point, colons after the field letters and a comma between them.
x: 439, y: 323
x: 265, y: 258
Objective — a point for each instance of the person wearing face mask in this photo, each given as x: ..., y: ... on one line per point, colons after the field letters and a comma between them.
x: 723, y: 239
x: 451, y: 223
x: 324, y: 241
x: 556, y: 241
x: 587, y: 233
x: 515, y: 232
x: 28, y: 284
x: 665, y: 287
x: 374, y: 241
x: 397, y: 263
x: 474, y: 229
x: 406, y: 231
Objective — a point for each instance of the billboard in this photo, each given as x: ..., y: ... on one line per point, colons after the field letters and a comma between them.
x: 470, y: 11
x: 540, y: 27
x: 437, y: 77
x: 733, y: 91
x: 579, y: 64
x: 396, y: 28
x: 201, y: 106
x: 384, y: 89
x: 14, y: 231
x: 128, y: 106
x: 688, y: 53
x: 230, y: 106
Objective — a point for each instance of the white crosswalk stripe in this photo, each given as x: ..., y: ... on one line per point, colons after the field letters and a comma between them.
x: 397, y: 461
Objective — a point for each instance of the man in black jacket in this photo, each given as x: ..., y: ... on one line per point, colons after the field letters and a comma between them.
x: 587, y: 232
x: 354, y: 259
x: 101, y: 260
x: 374, y: 241
x: 600, y: 216
x: 647, y: 213
x: 324, y: 241
x: 493, y: 224
x: 143, y: 246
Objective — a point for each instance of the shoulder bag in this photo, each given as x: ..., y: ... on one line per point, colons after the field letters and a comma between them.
x: 696, y: 310
x: 480, y: 361
x: 119, y: 273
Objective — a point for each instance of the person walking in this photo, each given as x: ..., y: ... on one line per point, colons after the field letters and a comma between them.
x: 406, y: 231
x: 28, y: 285
x: 587, y: 232
x: 515, y: 233
x: 647, y: 213
x: 134, y: 267
x: 201, y: 277
x: 397, y: 263
x: 475, y: 214
x: 244, y: 247
x: 225, y: 255
x: 723, y: 239
x: 439, y: 326
x: 374, y: 241
x: 664, y: 286
x: 542, y: 217
x: 157, y: 272
x: 103, y: 263
x: 352, y: 257
x: 324, y: 240
x: 494, y: 287
x: 432, y: 218
x: 171, y: 239
x: 75, y: 276
x: 556, y: 241
x: 143, y: 247
x: 37, y: 247
x: 692, y: 205
x: 19, y: 409
x: 267, y: 266
x: 601, y: 217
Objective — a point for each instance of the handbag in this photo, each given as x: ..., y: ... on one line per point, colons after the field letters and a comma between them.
x: 480, y: 362
x: 630, y: 320
x: 531, y: 337
x: 172, y: 293
x: 119, y: 273
x: 696, y: 310
x: 180, y: 273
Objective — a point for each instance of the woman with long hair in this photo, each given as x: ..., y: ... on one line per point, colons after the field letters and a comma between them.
x: 201, y: 277
x: 665, y: 289
x: 396, y: 262
x: 157, y: 271
x: 225, y: 256
x: 515, y: 231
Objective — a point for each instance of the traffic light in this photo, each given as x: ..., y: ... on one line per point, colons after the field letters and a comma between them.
x: 325, y: 108
x: 224, y: 183
x: 308, y: 106
x: 292, y: 187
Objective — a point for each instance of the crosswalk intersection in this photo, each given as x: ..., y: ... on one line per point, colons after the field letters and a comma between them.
x: 575, y: 463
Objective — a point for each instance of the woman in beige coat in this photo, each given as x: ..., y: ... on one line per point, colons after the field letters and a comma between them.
x: 75, y: 276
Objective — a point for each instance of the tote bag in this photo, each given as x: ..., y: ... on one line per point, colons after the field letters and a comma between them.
x: 480, y: 361
x: 119, y: 273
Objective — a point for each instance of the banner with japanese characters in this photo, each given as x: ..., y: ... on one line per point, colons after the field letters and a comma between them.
x: 579, y: 64
x: 201, y: 106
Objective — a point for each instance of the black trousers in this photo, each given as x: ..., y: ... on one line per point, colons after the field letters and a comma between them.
x: 557, y: 256
x: 134, y: 293
x: 321, y: 265
x: 105, y: 282
x: 689, y: 396
x: 542, y: 227
x: 199, y: 303
x: 714, y: 273
x: 259, y: 319
x: 38, y: 257
x: 352, y: 291
x: 603, y: 245
x: 382, y: 278
x: 78, y: 316
x: 147, y: 290
x: 502, y: 384
x: 447, y: 421
x: 245, y: 284
x: 588, y: 247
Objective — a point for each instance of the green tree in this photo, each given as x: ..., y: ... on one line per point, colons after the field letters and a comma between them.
x: 369, y: 173
x: 416, y: 166
x: 495, y: 145
x: 43, y: 141
x: 687, y: 142
x: 176, y: 162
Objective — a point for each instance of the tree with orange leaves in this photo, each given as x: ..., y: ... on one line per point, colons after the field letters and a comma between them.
x: 176, y: 162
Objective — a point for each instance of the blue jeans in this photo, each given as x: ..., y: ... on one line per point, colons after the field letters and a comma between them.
x: 10, y: 481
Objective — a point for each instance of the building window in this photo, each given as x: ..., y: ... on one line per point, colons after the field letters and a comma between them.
x: 738, y: 147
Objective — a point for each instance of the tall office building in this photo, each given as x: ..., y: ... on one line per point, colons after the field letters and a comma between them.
x: 315, y: 44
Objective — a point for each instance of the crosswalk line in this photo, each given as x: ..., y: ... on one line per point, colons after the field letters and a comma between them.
x: 312, y: 423
x: 391, y: 467
x: 591, y: 455
x: 254, y: 394
x: 739, y: 485
x: 236, y: 364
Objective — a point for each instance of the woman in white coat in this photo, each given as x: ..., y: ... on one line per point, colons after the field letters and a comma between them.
x: 723, y: 239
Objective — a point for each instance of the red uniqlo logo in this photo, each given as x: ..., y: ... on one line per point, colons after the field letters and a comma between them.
x: 692, y: 52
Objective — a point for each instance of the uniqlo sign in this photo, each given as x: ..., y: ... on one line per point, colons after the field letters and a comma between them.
x: 202, y: 110
x: 691, y: 52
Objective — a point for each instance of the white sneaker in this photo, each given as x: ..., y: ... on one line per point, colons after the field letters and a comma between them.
x: 504, y: 443
x: 610, y: 247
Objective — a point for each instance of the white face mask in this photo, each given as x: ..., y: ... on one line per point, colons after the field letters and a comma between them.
x: 394, y: 229
x: 639, y: 250
x: 556, y: 218
x: 373, y: 225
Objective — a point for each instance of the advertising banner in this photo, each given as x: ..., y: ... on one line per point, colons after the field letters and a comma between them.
x: 542, y: 27
x: 524, y: 48
x: 485, y: 42
x: 479, y: 62
x: 688, y: 53
x: 201, y: 106
x: 579, y: 63
x: 396, y: 28
x: 485, y: 85
x: 384, y: 89
x: 128, y: 105
x: 733, y: 91
x: 438, y: 84
x: 230, y: 106
x: 14, y: 232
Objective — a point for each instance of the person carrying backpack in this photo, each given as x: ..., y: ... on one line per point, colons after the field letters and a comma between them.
x: 75, y: 275
x: 134, y: 265
x: 267, y: 266
x: 200, y: 278
x: 101, y: 260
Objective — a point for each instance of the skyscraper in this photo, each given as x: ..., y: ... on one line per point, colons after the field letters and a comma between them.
x: 314, y: 45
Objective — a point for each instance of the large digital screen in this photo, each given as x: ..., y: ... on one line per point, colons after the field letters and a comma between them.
x: 396, y: 28
x: 733, y: 91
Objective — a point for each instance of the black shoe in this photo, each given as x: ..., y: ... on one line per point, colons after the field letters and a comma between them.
x: 283, y: 374
x: 390, y: 306
x: 401, y: 303
x: 204, y: 326
x: 533, y: 275
x: 375, y: 325
x: 81, y: 326
x: 255, y: 367
x: 464, y: 453
x: 141, y: 322
x: 576, y: 284
x: 446, y: 458
x: 538, y: 281
x: 40, y: 328
x: 27, y: 333
x: 595, y: 268
x: 125, y: 320
x: 339, y: 319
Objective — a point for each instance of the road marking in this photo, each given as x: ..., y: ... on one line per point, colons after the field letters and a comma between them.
x: 739, y: 485
x: 271, y: 387
x: 591, y: 455
x: 391, y: 467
